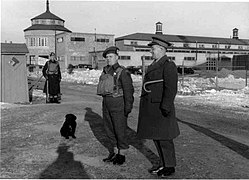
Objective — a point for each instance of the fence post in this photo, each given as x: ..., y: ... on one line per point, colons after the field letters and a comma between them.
x: 246, y: 76
x: 217, y: 67
x: 182, y: 72
x: 246, y: 65
x: 143, y: 68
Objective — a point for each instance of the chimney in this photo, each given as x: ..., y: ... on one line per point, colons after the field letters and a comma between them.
x: 159, y: 28
x: 47, y: 7
x: 235, y: 33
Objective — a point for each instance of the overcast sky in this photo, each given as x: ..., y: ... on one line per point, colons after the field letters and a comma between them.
x: 195, y: 18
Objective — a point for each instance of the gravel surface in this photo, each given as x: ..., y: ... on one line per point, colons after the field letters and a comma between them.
x: 214, y: 140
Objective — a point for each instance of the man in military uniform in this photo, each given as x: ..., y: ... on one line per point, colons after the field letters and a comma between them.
x: 117, y: 106
x: 157, y: 120
x: 51, y: 72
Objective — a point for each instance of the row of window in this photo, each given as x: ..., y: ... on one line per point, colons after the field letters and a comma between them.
x: 37, y: 41
x: 215, y: 46
x: 194, y: 51
x: 172, y: 58
x: 187, y: 45
x: 102, y: 40
x: 77, y: 58
x: 48, y: 22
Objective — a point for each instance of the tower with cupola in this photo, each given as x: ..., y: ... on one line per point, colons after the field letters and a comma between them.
x: 41, y: 36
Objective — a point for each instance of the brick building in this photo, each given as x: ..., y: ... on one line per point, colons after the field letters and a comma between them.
x: 81, y: 48
x: 186, y: 50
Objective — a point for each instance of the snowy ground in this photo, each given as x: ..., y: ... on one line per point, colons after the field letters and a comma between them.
x: 232, y: 91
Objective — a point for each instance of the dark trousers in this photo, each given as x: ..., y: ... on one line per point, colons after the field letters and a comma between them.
x: 166, y: 151
x: 115, y: 122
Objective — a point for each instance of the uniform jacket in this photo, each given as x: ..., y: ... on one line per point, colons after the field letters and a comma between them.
x: 54, y: 65
x: 124, y: 83
x: 152, y: 124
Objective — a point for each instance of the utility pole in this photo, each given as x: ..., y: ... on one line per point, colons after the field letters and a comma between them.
x: 94, y: 58
x: 217, y: 61
x: 55, y: 44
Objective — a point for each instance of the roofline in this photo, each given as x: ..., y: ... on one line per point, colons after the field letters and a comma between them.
x: 126, y: 37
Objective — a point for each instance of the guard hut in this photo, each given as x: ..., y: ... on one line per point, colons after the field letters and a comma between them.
x: 14, y: 84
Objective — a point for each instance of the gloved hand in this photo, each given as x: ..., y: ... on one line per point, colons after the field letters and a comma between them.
x: 165, y: 112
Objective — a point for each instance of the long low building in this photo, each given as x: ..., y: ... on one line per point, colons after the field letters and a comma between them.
x: 186, y: 50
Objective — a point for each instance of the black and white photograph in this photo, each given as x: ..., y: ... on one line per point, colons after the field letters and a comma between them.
x: 124, y: 89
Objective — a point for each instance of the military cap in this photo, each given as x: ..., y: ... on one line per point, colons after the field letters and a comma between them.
x: 160, y: 42
x: 112, y: 49
x: 52, y: 54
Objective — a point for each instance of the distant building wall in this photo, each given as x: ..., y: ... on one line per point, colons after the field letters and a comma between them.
x: 75, y: 47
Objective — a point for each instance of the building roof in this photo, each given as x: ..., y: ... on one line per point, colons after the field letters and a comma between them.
x: 47, y: 27
x: 184, y: 39
x: 47, y: 15
x: 7, y: 48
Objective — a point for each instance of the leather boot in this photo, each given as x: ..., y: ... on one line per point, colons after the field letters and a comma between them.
x: 110, y: 158
x: 119, y: 159
x: 167, y: 171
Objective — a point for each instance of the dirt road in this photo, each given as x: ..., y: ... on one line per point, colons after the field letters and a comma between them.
x: 214, y: 141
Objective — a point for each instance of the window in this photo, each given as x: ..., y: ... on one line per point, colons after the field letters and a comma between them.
x: 189, y: 58
x: 32, y: 42
x: 102, y: 40
x: 211, y: 63
x: 201, y: 46
x: 73, y: 58
x: 32, y: 59
x: 42, y: 41
x: 125, y: 57
x: 240, y: 47
x: 185, y: 45
x: 227, y: 46
x: 77, y: 39
x: 147, y: 57
x: 133, y: 42
x: 171, y: 58
x: 214, y: 46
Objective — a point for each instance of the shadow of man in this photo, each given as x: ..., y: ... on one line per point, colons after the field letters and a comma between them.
x: 64, y: 167
x: 97, y: 127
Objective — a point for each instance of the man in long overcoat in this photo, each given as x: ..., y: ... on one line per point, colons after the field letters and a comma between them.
x: 157, y: 120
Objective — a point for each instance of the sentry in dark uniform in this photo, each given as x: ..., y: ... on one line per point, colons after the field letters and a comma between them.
x: 157, y: 120
x: 117, y: 106
x: 51, y: 72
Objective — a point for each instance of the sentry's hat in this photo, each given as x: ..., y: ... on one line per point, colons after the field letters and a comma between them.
x: 52, y: 54
x: 160, y: 42
x: 112, y: 49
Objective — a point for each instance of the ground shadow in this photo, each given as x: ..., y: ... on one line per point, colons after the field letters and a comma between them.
x: 237, y: 147
x: 97, y: 127
x: 64, y: 167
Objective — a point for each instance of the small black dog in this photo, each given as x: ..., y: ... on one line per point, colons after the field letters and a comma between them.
x: 69, y: 126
